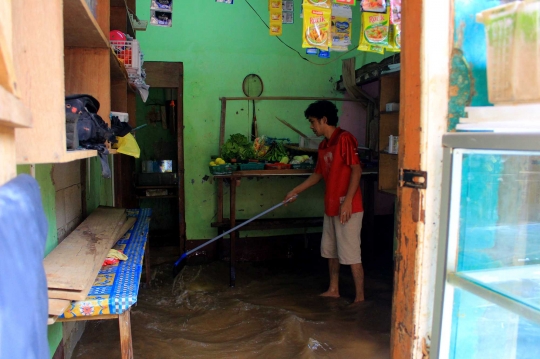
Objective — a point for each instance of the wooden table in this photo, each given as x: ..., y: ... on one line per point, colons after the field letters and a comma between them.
x: 116, y: 287
x: 274, y: 223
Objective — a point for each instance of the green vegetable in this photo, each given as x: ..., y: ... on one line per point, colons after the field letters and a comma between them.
x: 276, y: 152
x: 239, y: 147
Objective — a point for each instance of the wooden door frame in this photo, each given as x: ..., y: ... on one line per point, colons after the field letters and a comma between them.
x: 171, y: 75
x: 425, y: 69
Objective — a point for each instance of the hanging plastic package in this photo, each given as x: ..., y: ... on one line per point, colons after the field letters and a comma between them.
x: 341, y: 27
x: 276, y: 18
x: 374, y: 5
x: 316, y: 28
x: 374, y: 33
x: 394, y: 43
x: 128, y: 146
x: 395, y: 12
x: 327, y: 4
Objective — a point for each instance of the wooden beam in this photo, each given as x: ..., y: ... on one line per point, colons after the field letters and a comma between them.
x: 58, y: 306
x: 126, y: 346
x: 409, y: 201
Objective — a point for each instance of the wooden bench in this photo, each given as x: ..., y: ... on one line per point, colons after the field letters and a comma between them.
x: 116, y: 286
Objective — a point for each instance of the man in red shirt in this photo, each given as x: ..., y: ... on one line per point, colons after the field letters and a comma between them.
x: 339, y: 165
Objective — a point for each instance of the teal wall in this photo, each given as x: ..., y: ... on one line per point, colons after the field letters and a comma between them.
x: 477, y: 326
x: 219, y: 45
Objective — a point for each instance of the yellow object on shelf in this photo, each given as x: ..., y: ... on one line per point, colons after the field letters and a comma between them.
x: 128, y: 146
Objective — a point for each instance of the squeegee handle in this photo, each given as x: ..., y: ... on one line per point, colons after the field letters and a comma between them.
x: 235, y: 228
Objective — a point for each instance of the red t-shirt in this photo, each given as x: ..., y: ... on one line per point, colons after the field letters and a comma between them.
x: 336, y: 156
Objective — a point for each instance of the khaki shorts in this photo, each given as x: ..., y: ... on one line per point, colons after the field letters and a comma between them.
x: 342, y: 240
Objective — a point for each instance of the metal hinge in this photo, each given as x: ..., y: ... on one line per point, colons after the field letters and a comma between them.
x: 412, y: 179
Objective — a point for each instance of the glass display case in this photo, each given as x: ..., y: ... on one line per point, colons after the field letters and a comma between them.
x: 487, y: 301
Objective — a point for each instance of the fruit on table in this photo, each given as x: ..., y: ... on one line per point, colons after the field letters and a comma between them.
x: 220, y: 161
x: 212, y: 163
x: 284, y: 160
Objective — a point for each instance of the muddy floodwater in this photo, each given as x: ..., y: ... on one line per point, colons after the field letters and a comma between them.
x: 274, y: 312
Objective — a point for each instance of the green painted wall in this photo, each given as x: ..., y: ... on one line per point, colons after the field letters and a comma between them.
x: 99, y: 192
x: 43, y: 177
x: 219, y: 45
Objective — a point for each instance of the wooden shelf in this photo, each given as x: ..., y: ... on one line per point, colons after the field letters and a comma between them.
x: 78, y: 155
x: 156, y: 187
x: 266, y: 173
x: 80, y: 26
x: 118, y: 70
x: 13, y: 113
x: 152, y: 197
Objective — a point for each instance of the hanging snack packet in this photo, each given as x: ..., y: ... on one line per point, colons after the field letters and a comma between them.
x: 276, y: 28
x: 395, y: 12
x: 374, y: 5
x: 394, y: 39
x: 317, y: 26
x: 372, y: 48
x: 275, y: 5
x: 341, y: 26
x: 276, y: 15
x: 319, y: 3
x: 374, y: 30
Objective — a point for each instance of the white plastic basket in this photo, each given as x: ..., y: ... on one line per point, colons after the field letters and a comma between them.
x: 129, y: 53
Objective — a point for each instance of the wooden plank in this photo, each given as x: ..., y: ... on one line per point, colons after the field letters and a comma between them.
x: 118, y: 70
x: 119, y: 17
x: 81, y: 29
x: 58, y: 306
x: 39, y: 67
x: 79, y: 257
x: 162, y: 74
x: 103, y: 16
x: 404, y: 331
x: 126, y: 227
x: 13, y: 113
x: 388, y: 171
x: 66, y: 175
x: 67, y: 294
x: 119, y: 95
x: 89, y: 317
x: 8, y: 167
x: 7, y: 69
x: 89, y: 71
x: 389, y: 90
x: 388, y: 125
x: 52, y: 319
x: 265, y: 173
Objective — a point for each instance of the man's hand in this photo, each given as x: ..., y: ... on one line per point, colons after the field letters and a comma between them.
x: 290, y: 197
x: 345, y: 211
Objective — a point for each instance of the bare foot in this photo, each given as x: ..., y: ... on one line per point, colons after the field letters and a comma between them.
x: 357, y: 300
x: 330, y: 293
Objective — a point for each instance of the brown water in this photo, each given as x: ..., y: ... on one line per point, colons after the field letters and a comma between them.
x: 274, y: 312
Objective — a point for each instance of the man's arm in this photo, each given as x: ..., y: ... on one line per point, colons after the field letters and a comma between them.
x: 309, y: 182
x: 354, y: 182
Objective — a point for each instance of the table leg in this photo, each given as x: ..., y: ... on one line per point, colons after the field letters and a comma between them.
x: 147, y: 264
x: 126, y: 344
x: 233, y: 234
x: 220, y: 200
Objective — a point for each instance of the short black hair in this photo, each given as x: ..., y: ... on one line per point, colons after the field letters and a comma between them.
x: 321, y: 109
